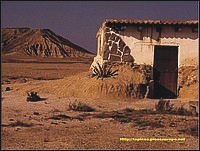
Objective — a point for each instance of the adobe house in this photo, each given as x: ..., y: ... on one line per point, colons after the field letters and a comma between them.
x: 166, y: 45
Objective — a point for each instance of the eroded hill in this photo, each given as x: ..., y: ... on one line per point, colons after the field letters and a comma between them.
x: 39, y: 42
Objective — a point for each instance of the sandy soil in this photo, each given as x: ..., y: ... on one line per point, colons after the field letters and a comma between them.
x: 189, y: 80
x: 23, y: 72
x: 49, y: 124
x: 87, y: 130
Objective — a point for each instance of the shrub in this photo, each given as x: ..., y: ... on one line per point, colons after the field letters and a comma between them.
x: 164, y: 106
x: 33, y: 97
x: 78, y: 106
x: 191, y: 130
x: 103, y: 71
x: 182, y: 111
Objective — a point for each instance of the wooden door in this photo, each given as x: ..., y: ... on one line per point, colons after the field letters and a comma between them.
x: 165, y: 71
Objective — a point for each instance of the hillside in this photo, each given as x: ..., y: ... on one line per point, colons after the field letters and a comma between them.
x: 38, y: 42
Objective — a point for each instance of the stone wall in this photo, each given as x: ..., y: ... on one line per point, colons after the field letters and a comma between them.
x: 131, y: 45
x: 114, y: 48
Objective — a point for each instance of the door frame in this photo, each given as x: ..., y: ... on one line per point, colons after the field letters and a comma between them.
x: 168, y: 44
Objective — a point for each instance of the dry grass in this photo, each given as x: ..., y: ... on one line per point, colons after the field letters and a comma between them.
x: 20, y: 124
x: 81, y: 107
x: 153, y: 124
x: 166, y: 107
x: 126, y: 115
x: 60, y: 117
x: 191, y: 130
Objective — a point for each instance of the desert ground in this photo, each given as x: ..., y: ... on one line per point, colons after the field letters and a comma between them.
x: 52, y: 124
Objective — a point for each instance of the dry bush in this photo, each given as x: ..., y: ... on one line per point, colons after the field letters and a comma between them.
x: 81, y: 107
x: 126, y: 115
x: 121, y: 117
x: 145, y: 111
x: 182, y: 111
x: 164, y: 106
x: 155, y: 124
x: 103, y: 115
x: 33, y: 97
x: 128, y: 110
x: 19, y: 123
x: 192, y: 130
x: 60, y: 117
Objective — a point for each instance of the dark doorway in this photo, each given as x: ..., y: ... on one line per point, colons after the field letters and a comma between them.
x: 165, y: 71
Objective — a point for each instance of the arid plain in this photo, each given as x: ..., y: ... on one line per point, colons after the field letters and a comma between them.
x: 50, y: 124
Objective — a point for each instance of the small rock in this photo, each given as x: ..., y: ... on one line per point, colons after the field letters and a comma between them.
x: 11, y: 119
x: 143, y: 128
x: 36, y: 113
x: 54, y: 123
x: 8, y: 88
x: 172, y: 125
x: 18, y: 128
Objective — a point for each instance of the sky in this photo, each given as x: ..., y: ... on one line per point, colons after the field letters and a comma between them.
x: 78, y: 21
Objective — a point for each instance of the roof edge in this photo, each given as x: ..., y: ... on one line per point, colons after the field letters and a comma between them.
x: 161, y: 22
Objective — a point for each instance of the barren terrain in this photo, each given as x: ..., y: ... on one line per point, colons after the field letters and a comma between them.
x: 39, y: 42
x: 50, y: 124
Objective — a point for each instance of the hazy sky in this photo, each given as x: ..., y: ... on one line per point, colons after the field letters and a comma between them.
x: 79, y: 21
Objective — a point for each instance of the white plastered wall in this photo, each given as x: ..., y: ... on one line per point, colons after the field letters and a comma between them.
x: 143, y: 49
